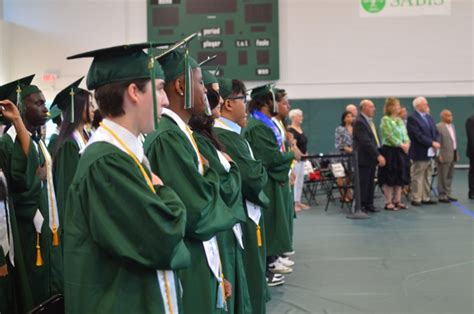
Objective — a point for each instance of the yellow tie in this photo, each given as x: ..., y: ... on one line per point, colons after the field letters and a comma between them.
x: 374, y: 130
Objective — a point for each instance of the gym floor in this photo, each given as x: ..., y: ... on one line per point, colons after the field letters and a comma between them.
x: 419, y: 260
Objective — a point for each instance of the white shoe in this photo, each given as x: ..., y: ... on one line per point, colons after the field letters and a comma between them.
x: 286, y: 261
x: 289, y: 253
x: 278, y: 276
x: 279, y: 268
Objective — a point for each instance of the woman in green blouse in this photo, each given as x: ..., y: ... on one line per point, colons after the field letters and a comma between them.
x: 395, y: 145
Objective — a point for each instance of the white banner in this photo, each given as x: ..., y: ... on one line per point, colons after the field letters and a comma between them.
x: 381, y: 8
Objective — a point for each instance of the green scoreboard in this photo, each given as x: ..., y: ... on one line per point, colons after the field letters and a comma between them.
x: 243, y: 34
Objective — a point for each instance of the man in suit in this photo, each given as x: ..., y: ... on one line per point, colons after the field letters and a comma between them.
x: 423, y: 136
x: 470, y: 153
x: 448, y: 156
x: 366, y: 143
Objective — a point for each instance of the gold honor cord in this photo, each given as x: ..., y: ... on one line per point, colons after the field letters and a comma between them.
x: 152, y: 188
x: 193, y: 142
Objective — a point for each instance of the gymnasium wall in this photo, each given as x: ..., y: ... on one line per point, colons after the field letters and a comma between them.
x: 329, y: 56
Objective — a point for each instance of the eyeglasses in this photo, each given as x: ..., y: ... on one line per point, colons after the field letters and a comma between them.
x: 243, y: 97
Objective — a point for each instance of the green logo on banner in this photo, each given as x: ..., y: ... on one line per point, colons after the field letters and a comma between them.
x: 373, y: 6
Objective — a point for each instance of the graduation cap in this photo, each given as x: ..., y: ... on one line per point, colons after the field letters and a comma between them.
x: 207, y: 76
x: 177, y: 63
x: 65, y: 98
x: 207, y: 60
x: 53, y: 112
x: 264, y: 90
x: 124, y: 63
x: 225, y: 87
x: 16, y: 90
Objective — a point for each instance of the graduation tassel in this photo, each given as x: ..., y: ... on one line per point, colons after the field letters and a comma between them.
x: 18, y: 101
x: 275, y: 105
x: 151, y: 68
x: 39, y: 259
x: 188, y: 86
x: 208, y: 110
x: 72, y: 105
x: 55, y: 236
x: 259, y: 236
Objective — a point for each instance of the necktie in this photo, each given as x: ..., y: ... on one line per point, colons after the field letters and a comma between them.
x: 374, y: 130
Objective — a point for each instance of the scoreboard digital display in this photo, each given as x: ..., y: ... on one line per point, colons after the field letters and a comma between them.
x: 242, y: 33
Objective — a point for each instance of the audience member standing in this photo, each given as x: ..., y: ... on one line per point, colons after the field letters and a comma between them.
x: 296, y: 117
x: 423, y: 136
x: 343, y: 143
x: 470, y: 153
x: 395, y: 145
x: 366, y: 145
x: 352, y: 109
x: 448, y: 156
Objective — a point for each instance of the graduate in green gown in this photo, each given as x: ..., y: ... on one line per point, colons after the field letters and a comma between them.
x: 175, y: 157
x: 230, y: 242
x: 15, y: 293
x: 11, y: 92
x: 254, y: 178
x: 266, y: 142
x: 279, y: 118
x: 32, y: 188
x: 54, y: 115
x: 75, y: 103
x: 123, y: 227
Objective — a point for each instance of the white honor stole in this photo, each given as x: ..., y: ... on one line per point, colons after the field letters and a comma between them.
x: 52, y: 205
x: 79, y: 139
x: 6, y: 236
x: 237, y: 229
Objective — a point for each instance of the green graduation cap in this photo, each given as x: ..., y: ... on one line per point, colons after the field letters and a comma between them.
x: 124, y: 63
x: 16, y: 90
x: 65, y: 98
x: 177, y: 63
x: 207, y: 76
x: 225, y: 87
x: 53, y: 112
x: 265, y: 90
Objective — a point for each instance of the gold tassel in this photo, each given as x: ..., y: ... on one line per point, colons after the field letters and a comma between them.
x: 39, y: 259
x: 223, y: 287
x: 55, y: 236
x: 259, y: 236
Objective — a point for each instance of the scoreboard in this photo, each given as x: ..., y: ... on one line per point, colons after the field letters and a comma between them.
x: 243, y: 34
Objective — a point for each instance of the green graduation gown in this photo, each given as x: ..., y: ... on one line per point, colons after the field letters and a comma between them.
x: 52, y: 143
x: 277, y: 164
x: 117, y: 234
x: 254, y: 178
x: 15, y: 291
x: 29, y: 194
x: 173, y: 159
x: 229, y: 248
x: 64, y: 168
